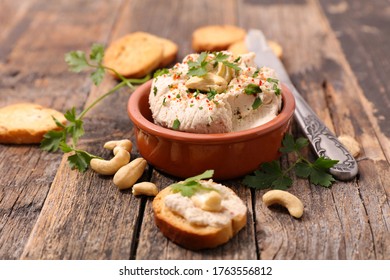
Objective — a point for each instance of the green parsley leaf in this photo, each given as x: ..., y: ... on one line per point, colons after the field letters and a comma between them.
x: 282, y: 183
x: 205, y: 175
x: 98, y: 75
x: 232, y: 65
x: 191, y: 185
x: 257, y: 103
x: 198, y: 71
x: 220, y: 57
x: 324, y: 163
x: 317, y: 171
x: 276, y: 89
x: 252, y: 89
x: 160, y: 72
x: 211, y: 94
x: 154, y: 90
x: 76, y: 61
x: 65, y: 147
x: 198, y: 67
x: 97, y: 53
x: 51, y: 140
x: 269, y: 175
x: 75, y: 126
x: 301, y: 142
x: 289, y: 145
x: 185, y: 189
x: 237, y: 59
x: 176, y: 124
x: 302, y: 169
x: 80, y: 160
x: 58, y: 123
x: 320, y: 177
x: 272, y: 80
x: 255, y: 73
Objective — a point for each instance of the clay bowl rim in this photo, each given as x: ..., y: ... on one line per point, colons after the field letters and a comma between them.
x: 143, y: 123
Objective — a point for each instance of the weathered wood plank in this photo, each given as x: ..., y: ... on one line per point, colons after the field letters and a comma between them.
x: 83, y: 216
x: 363, y: 29
x: 336, y: 230
x: 32, y: 69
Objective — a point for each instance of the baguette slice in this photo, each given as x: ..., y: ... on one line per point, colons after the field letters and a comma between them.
x: 216, y: 37
x: 190, y: 236
x: 134, y: 55
x: 26, y: 123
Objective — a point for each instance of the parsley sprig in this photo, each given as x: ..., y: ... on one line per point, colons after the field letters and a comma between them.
x: 199, y: 67
x: 191, y: 185
x: 271, y: 175
x: 74, y: 128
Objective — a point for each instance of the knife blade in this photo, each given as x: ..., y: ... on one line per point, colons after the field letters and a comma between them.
x: 322, y: 140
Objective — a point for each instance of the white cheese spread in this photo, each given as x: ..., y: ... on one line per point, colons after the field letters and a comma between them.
x: 229, y: 95
x: 232, y: 206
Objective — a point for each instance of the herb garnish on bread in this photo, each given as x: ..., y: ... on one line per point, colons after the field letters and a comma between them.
x: 199, y: 214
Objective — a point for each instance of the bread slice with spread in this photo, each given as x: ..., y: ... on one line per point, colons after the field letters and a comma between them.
x: 199, y: 214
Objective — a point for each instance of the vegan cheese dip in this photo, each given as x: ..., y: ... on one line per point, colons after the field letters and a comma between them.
x: 215, y: 93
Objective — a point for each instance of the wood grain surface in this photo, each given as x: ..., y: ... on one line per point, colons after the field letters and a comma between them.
x: 336, y: 54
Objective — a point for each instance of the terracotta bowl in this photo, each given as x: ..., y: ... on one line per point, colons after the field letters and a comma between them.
x: 185, y: 154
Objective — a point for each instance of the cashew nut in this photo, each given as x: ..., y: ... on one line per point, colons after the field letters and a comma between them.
x: 127, y: 175
x: 350, y: 144
x: 210, y: 201
x: 210, y: 81
x: 109, y: 167
x: 286, y: 199
x: 115, y: 145
x: 145, y: 188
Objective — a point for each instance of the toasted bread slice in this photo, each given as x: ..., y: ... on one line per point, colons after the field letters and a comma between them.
x: 139, y: 53
x: 26, y: 123
x: 194, y: 236
x: 170, y: 50
x: 216, y: 37
x: 134, y: 55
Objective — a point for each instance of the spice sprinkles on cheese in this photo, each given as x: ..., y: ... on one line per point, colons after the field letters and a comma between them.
x: 204, y: 93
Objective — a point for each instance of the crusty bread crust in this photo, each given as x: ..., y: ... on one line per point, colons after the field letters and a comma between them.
x: 170, y: 50
x: 216, y: 37
x: 134, y: 55
x: 139, y: 53
x: 189, y: 236
x: 26, y: 123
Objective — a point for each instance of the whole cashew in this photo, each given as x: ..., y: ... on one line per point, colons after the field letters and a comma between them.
x: 210, y: 201
x: 109, y: 167
x: 350, y: 143
x: 145, y: 188
x: 115, y: 145
x: 286, y: 199
x: 127, y: 175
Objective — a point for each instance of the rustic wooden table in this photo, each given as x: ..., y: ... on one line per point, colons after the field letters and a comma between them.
x: 337, y: 54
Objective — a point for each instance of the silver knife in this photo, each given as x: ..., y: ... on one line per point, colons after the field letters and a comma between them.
x: 323, y: 141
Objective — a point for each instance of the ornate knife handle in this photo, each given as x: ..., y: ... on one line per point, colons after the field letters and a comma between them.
x: 323, y: 141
